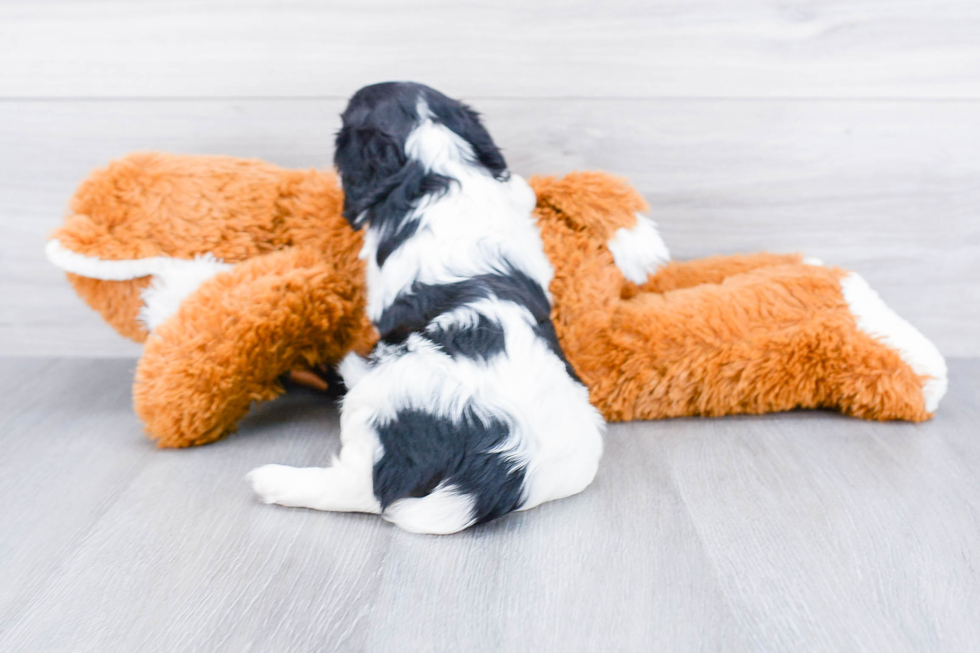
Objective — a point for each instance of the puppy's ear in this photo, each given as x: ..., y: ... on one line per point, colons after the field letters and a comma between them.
x: 366, y: 158
x: 466, y: 123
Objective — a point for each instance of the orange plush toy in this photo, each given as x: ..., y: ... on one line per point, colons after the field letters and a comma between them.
x: 235, y: 272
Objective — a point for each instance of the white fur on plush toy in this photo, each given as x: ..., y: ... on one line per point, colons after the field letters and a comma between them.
x: 640, y: 251
x: 877, y: 319
x: 174, y: 283
x: 173, y: 279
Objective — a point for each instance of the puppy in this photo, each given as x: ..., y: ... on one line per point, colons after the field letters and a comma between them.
x: 467, y: 409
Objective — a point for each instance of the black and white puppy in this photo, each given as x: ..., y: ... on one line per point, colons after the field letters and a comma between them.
x: 467, y: 409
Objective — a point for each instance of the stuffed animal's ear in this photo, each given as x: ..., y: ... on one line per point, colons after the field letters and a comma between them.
x: 596, y: 202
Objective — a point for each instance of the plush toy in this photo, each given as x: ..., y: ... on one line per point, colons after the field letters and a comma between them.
x: 236, y: 272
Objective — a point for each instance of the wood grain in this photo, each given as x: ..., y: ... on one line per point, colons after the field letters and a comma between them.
x: 888, y: 189
x: 506, y: 48
x: 801, y: 531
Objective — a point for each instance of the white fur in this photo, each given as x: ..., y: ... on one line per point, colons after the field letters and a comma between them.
x: 174, y: 279
x: 638, y: 251
x: 106, y: 270
x: 477, y: 227
x: 346, y: 486
x: 875, y: 318
x: 173, y: 284
x: 441, y: 512
x: 353, y: 368
x: 337, y: 488
x: 558, y: 434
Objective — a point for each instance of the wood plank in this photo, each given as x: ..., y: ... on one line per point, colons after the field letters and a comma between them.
x: 801, y: 531
x: 597, y: 572
x: 844, y: 509
x: 888, y: 189
x: 70, y: 444
x: 508, y: 48
x: 186, y: 553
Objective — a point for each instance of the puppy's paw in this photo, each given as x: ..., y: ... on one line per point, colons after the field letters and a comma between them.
x: 272, y: 483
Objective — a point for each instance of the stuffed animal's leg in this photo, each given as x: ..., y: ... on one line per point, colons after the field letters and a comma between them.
x: 778, y: 338
x: 230, y: 341
x: 713, y: 269
x: 878, y: 320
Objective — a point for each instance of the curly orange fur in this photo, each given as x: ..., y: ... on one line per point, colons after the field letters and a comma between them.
x: 723, y: 335
x: 231, y: 340
x: 717, y: 336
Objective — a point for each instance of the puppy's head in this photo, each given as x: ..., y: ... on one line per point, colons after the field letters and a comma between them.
x: 396, y: 133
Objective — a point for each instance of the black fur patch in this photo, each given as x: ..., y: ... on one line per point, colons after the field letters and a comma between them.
x: 484, y: 340
x: 422, y: 450
x: 412, y: 311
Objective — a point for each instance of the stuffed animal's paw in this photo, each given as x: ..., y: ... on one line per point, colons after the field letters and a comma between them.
x: 878, y: 320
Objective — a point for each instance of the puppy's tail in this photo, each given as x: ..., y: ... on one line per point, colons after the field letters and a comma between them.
x: 443, y: 511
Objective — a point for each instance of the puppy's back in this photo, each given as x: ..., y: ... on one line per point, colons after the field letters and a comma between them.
x: 475, y: 411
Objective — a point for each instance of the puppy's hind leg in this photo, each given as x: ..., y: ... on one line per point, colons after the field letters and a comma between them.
x: 353, y: 368
x: 343, y: 487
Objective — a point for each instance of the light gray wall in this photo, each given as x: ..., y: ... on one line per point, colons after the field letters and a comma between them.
x: 848, y: 130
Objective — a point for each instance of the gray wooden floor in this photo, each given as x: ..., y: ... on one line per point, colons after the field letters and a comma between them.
x: 793, y: 532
